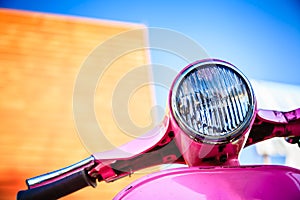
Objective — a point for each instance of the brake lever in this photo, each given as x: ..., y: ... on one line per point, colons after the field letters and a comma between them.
x: 107, y: 166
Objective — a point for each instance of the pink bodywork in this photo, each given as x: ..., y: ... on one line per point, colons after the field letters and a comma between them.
x: 227, y: 183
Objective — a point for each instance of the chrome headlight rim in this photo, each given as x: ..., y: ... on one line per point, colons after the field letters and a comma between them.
x: 196, y: 136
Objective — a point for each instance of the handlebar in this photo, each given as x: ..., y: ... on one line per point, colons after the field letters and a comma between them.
x: 59, y: 183
x: 59, y: 188
x: 105, y: 166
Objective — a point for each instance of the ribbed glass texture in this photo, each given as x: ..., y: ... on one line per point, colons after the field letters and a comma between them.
x: 212, y: 101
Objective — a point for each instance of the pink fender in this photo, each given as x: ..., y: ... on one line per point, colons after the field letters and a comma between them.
x: 244, y: 182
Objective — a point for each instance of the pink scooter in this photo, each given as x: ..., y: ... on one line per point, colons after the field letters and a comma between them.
x: 212, y: 117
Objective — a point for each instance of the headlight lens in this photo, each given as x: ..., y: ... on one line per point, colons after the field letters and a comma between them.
x: 212, y: 101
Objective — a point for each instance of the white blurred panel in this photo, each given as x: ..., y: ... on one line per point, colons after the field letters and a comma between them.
x: 276, y: 96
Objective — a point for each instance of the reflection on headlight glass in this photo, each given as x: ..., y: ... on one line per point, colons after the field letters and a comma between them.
x: 212, y: 101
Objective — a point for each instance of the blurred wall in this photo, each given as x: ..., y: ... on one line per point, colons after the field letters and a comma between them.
x: 40, y: 57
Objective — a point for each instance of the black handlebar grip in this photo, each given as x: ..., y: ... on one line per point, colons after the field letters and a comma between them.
x: 59, y: 188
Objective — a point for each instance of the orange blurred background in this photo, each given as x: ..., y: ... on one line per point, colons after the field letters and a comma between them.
x: 40, y: 57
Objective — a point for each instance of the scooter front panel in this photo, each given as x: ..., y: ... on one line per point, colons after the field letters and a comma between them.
x: 247, y: 182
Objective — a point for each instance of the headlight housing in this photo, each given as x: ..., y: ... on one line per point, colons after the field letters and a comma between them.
x: 212, y: 101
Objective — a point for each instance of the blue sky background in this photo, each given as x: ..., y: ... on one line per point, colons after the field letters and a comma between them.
x: 262, y: 38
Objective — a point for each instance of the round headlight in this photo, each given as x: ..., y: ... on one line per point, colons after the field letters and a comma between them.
x: 212, y: 101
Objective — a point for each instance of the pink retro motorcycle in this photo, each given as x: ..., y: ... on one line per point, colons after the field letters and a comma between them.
x: 212, y: 117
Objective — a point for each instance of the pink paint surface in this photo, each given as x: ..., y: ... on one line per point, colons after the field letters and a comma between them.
x: 248, y: 182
